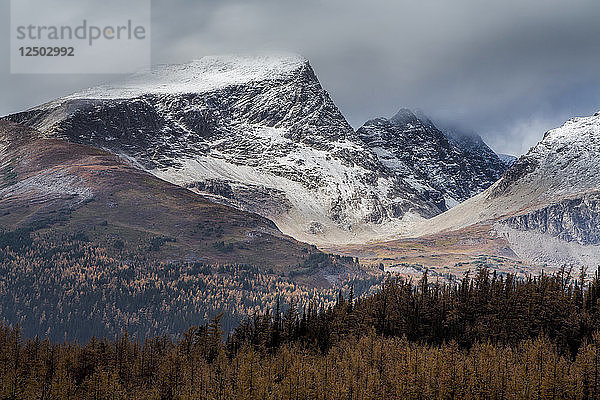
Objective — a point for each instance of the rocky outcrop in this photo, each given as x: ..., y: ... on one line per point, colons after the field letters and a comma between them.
x: 572, y: 220
x: 448, y: 167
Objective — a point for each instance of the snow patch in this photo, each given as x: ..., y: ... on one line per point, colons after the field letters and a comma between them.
x: 50, y: 184
x: 199, y: 76
x: 542, y: 248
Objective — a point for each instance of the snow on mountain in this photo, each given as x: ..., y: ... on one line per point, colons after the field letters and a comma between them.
x: 508, y: 159
x: 447, y: 167
x: 564, y: 163
x: 553, y: 190
x: 260, y: 134
x: 199, y: 76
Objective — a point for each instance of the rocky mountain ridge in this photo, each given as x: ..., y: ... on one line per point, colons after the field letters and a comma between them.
x: 552, y: 191
x: 260, y: 134
x: 449, y: 165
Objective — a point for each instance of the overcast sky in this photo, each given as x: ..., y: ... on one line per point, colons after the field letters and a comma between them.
x: 508, y: 69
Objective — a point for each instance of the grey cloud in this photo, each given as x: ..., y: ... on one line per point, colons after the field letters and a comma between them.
x: 507, y: 69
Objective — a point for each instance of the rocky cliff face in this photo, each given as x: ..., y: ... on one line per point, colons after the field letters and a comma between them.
x: 262, y: 135
x: 485, y: 165
x: 571, y: 220
x: 447, y: 166
x: 552, y: 190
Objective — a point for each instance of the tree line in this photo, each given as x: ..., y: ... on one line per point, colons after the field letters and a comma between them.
x: 488, y: 336
x: 67, y: 288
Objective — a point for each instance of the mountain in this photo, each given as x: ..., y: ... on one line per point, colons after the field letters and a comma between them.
x: 256, y: 133
x: 480, y: 158
x: 449, y: 166
x: 508, y: 159
x: 548, y: 204
x: 261, y: 134
x: 92, y: 246
x: 54, y: 188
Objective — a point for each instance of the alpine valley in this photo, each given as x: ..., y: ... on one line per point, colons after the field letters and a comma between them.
x: 242, y: 170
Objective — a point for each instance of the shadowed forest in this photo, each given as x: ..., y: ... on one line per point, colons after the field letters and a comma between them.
x: 67, y: 288
x: 483, y: 337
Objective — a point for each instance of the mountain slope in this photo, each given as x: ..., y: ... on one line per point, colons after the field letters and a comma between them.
x: 92, y: 246
x: 448, y: 167
x: 553, y: 191
x: 53, y: 187
x: 260, y: 134
x: 485, y: 165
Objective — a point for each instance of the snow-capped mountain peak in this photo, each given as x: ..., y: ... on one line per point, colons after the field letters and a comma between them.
x: 548, y: 204
x: 575, y: 129
x: 261, y: 134
x: 447, y: 168
x: 199, y: 76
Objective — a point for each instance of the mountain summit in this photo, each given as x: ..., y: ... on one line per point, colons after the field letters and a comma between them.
x: 548, y: 204
x: 262, y: 135
x: 447, y: 166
